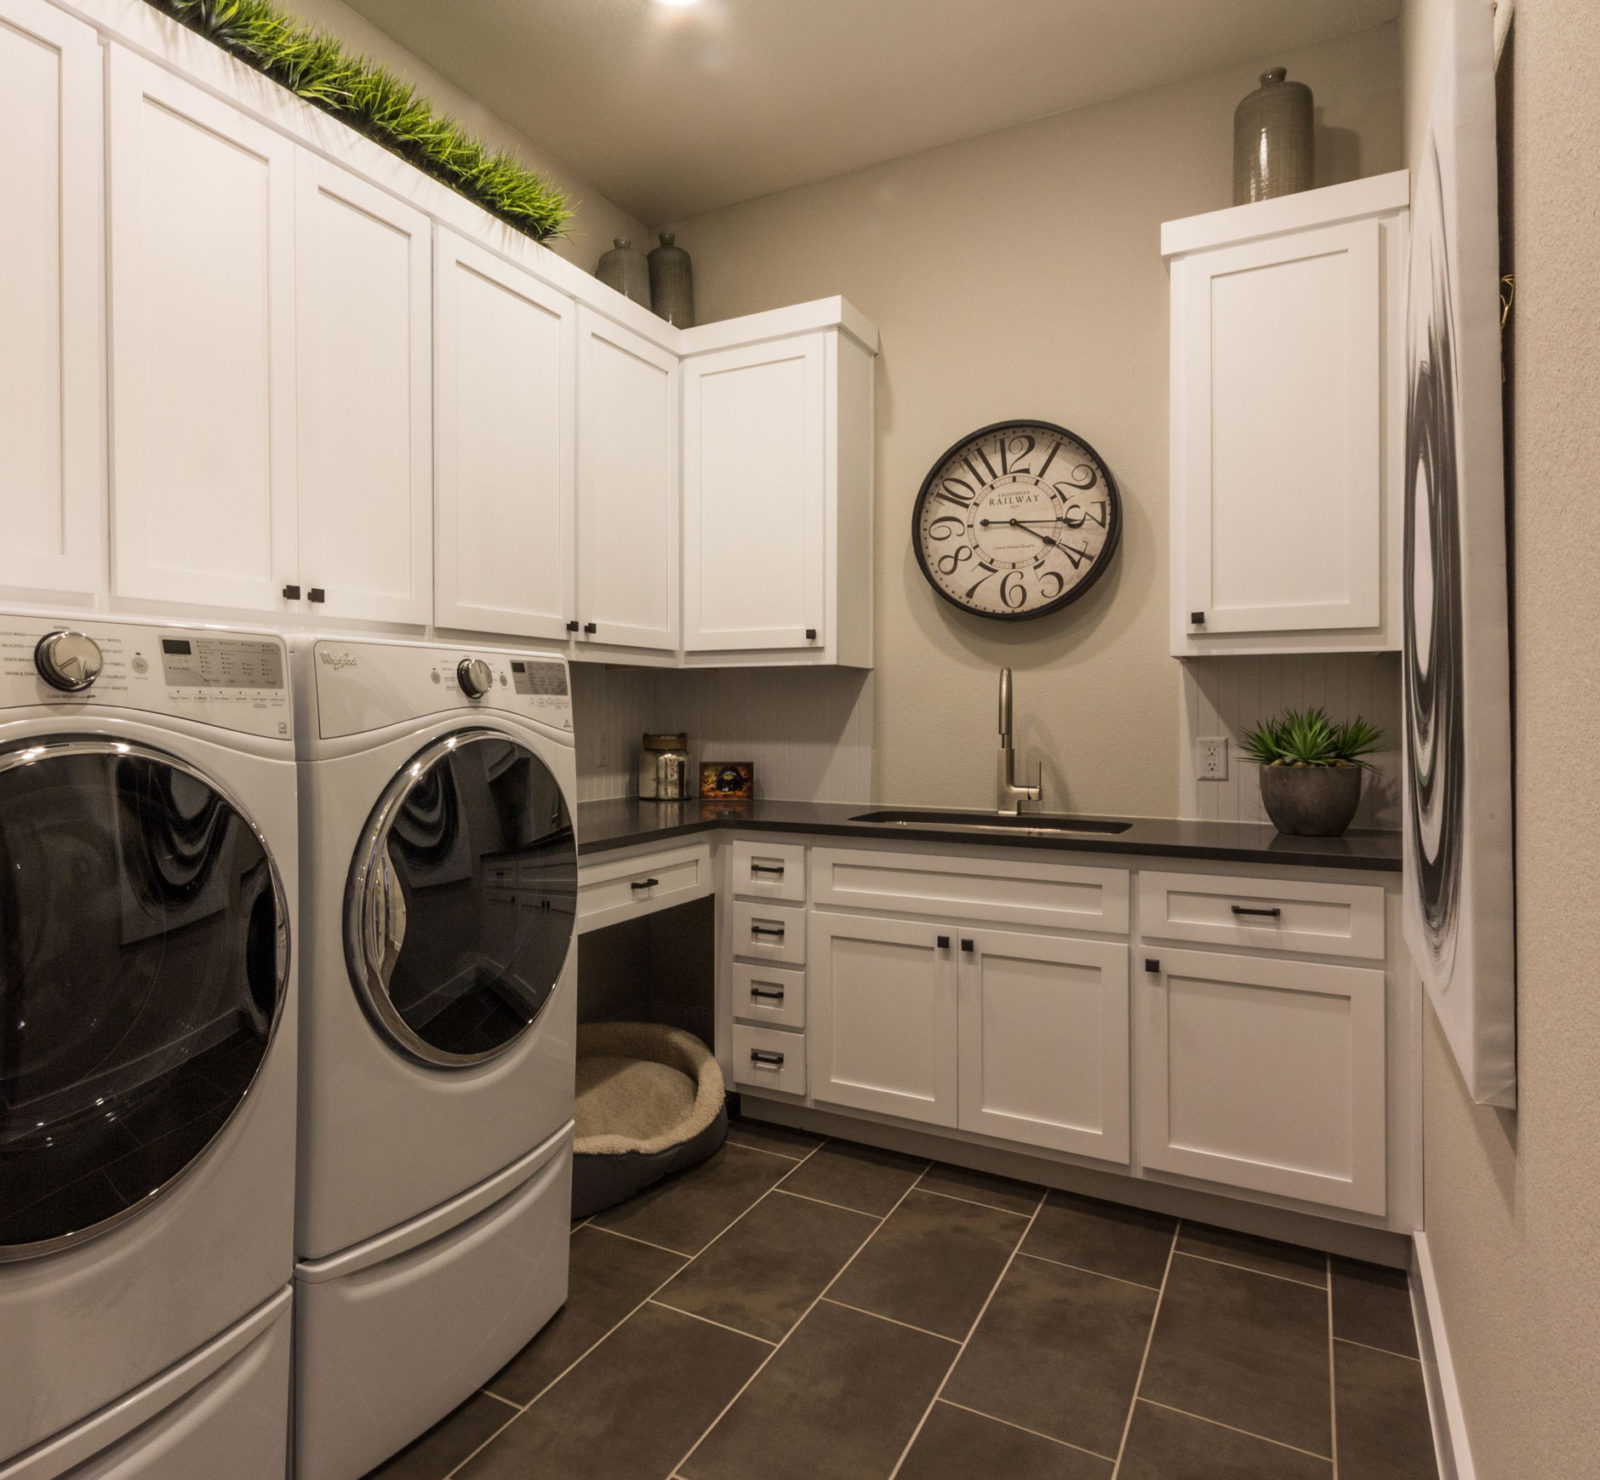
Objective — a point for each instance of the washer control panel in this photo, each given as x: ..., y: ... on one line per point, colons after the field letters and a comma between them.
x: 235, y: 680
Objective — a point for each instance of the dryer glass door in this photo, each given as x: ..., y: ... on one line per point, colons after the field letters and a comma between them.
x: 143, y: 962
x: 462, y: 899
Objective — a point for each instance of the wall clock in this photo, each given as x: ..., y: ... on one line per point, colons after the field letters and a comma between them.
x: 1016, y: 520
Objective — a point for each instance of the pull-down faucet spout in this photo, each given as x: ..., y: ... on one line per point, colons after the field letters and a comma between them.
x: 1009, y: 796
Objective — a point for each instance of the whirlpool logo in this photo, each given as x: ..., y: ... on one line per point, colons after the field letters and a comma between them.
x: 338, y: 660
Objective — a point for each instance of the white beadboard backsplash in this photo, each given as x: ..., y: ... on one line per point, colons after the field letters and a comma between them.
x: 807, y: 731
x: 1227, y: 696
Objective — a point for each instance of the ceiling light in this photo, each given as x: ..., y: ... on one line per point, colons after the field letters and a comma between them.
x: 678, y: 4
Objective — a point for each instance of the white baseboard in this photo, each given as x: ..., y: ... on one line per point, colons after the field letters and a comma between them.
x: 1438, y: 1370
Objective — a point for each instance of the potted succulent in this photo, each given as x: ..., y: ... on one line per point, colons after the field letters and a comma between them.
x: 1311, y: 769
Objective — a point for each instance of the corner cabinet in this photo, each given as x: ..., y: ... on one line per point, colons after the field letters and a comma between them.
x: 777, y: 497
x: 1288, y: 422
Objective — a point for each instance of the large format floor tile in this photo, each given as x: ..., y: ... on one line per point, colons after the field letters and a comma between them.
x: 685, y: 1212
x: 838, y: 1401
x: 629, y: 1410
x: 859, y: 1177
x: 1384, y: 1432
x: 1126, y: 1243
x: 957, y: 1444
x: 1372, y: 1305
x: 932, y: 1263
x: 449, y: 1441
x: 1265, y: 1255
x: 1057, y: 1351
x: 1165, y: 1445
x: 778, y: 1139
x: 981, y: 1187
x: 1244, y: 1349
x: 609, y: 1276
x: 763, y: 1273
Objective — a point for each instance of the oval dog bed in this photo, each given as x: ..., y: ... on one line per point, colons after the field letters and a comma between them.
x: 649, y: 1102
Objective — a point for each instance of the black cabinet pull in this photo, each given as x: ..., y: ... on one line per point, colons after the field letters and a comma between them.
x: 1197, y: 619
x: 589, y: 627
x: 966, y: 945
x: 775, y: 931
x: 767, y: 868
x: 572, y: 626
x: 291, y: 593
x: 644, y: 883
x: 944, y: 942
x: 766, y: 1056
x: 774, y: 993
x: 316, y: 593
x: 1151, y: 964
x: 811, y: 634
x: 1243, y: 909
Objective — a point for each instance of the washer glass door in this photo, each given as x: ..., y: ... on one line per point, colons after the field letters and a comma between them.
x: 143, y: 962
x: 462, y: 899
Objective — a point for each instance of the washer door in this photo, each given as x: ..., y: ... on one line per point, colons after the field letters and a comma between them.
x: 143, y: 963
x: 462, y: 899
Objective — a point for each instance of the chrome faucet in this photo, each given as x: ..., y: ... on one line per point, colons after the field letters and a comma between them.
x: 1009, y: 797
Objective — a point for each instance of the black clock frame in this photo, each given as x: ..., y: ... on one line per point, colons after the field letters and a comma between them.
x: 1109, y: 549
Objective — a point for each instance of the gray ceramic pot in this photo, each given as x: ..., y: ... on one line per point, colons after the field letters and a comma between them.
x: 1311, y: 801
x: 1273, y: 140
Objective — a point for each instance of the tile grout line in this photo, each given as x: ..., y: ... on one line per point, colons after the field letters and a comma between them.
x: 822, y: 1201
x: 762, y: 1151
x: 1288, y: 1279
x: 498, y: 1399
x: 467, y: 1459
x: 970, y: 1201
x: 1021, y: 1427
x: 695, y: 1315
x: 983, y: 1310
x: 1333, y: 1380
x: 1097, y: 1273
x: 861, y: 1310
x: 723, y: 1413
x: 1144, y: 1358
x: 1387, y: 1351
x: 1217, y: 1423
x: 633, y: 1238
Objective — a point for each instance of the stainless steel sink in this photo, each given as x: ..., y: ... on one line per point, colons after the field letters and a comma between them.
x: 1033, y: 822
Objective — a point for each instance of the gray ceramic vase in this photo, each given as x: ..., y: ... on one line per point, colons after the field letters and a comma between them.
x: 1272, y: 140
x: 672, y: 282
x: 1311, y: 801
x: 625, y: 269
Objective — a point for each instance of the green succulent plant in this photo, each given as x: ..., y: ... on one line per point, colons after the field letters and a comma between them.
x: 1307, y: 737
x: 314, y: 65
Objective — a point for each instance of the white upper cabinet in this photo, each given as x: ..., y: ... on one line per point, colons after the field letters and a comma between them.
x: 202, y: 336
x: 1287, y: 422
x: 778, y: 448
x: 628, y: 488
x: 51, y: 367
x: 505, y: 457
x: 364, y: 353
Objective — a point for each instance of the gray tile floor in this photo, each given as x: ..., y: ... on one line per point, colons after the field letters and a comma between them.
x: 796, y: 1309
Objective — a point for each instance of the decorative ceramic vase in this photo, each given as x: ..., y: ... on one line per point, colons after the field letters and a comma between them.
x: 625, y: 269
x: 672, y: 282
x: 1311, y: 801
x: 1272, y: 140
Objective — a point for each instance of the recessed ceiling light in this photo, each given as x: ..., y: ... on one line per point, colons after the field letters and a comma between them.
x: 678, y: 4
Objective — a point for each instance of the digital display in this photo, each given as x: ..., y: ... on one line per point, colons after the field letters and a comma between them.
x: 177, y: 646
x: 221, y: 663
x: 539, y: 678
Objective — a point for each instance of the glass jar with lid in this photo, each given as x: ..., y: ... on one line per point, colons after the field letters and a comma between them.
x: 664, y: 767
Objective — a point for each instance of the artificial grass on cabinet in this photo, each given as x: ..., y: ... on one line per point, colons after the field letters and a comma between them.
x: 314, y: 65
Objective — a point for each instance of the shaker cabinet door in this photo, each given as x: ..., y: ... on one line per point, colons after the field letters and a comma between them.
x: 505, y: 458
x: 202, y: 345
x: 52, y: 487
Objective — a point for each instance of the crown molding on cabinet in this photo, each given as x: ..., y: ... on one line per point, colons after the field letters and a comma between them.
x: 1328, y: 206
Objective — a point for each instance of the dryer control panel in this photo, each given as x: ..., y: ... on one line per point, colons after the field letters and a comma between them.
x: 365, y: 686
x: 235, y: 680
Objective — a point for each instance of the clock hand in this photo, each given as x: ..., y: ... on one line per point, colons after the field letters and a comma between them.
x: 1020, y: 523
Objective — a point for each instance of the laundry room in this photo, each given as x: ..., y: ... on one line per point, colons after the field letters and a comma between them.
x: 815, y: 742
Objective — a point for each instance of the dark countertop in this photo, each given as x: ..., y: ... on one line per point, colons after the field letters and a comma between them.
x: 625, y: 821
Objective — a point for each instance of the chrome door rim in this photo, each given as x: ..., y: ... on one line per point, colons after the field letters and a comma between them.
x: 28, y: 754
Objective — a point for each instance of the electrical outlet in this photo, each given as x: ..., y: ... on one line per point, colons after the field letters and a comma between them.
x: 602, y: 752
x: 1211, y: 758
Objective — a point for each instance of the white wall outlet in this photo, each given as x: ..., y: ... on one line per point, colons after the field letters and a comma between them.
x: 602, y: 752
x: 1211, y: 758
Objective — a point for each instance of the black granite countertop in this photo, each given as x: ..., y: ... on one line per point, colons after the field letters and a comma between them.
x: 623, y: 822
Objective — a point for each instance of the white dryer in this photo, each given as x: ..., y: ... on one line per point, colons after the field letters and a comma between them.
x: 439, y: 889
x: 148, y: 875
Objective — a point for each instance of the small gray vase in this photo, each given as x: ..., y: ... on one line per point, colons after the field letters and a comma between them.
x: 672, y: 282
x: 625, y: 269
x: 1273, y: 142
x: 1311, y: 801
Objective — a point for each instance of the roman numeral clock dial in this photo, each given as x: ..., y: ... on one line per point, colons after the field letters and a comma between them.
x: 1016, y: 520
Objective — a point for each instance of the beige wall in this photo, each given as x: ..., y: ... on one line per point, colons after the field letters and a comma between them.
x: 596, y: 220
x: 1019, y: 274
x: 1513, y: 1200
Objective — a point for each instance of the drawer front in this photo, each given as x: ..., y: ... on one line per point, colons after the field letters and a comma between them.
x: 774, y: 996
x: 761, y: 870
x: 629, y: 887
x: 768, y: 932
x: 769, y: 1059
x: 993, y: 890
x: 1266, y: 914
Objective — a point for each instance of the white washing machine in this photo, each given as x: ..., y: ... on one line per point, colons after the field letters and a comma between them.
x: 148, y: 876
x: 439, y: 977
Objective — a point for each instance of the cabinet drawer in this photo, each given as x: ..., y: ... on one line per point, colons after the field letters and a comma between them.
x: 774, y: 996
x: 620, y: 890
x: 769, y: 1059
x: 768, y: 932
x: 1269, y: 914
x: 762, y: 870
x: 981, y: 887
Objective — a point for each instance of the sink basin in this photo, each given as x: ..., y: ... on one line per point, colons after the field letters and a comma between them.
x: 1032, y: 822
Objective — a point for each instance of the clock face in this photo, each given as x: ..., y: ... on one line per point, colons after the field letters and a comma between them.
x: 1017, y: 520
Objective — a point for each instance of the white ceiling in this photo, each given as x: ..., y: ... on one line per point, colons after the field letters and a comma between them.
x: 674, y: 111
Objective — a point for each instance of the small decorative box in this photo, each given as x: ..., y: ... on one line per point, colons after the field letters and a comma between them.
x: 731, y: 781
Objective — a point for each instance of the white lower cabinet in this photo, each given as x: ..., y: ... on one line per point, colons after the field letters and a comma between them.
x: 1265, y: 1074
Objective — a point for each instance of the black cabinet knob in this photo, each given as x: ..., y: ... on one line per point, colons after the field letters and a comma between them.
x: 291, y: 593
x: 944, y: 942
x: 966, y: 945
x: 811, y: 634
x: 572, y: 626
x: 589, y: 627
x: 316, y: 593
x: 1151, y: 964
x: 1197, y: 619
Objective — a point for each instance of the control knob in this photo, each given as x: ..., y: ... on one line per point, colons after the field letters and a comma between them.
x: 68, y: 661
x: 475, y: 677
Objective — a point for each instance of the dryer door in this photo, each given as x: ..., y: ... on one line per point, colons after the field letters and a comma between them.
x: 143, y: 960
x: 462, y: 899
